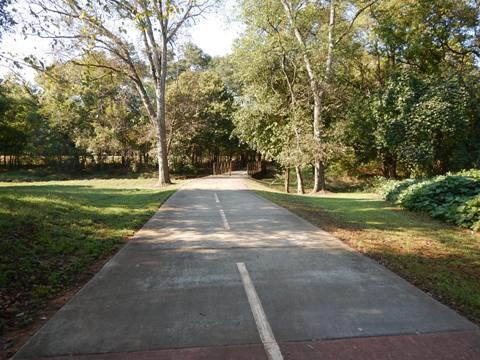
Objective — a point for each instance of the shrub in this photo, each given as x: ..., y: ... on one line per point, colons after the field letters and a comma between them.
x: 392, y: 189
x: 469, y: 214
x: 454, y: 198
x: 383, y: 186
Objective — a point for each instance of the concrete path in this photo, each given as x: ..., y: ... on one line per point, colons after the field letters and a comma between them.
x: 220, y: 273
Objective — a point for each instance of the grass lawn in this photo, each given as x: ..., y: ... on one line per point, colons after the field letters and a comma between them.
x: 51, y: 233
x: 42, y: 173
x: 441, y: 259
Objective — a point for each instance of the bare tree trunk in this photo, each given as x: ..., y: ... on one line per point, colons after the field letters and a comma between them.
x: 317, y: 96
x: 320, y: 183
x: 163, y: 171
x: 287, y: 179
x: 300, y: 188
x: 321, y: 175
x: 331, y: 43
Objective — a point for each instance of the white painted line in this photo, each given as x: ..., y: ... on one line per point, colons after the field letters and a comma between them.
x: 216, y: 197
x: 224, y: 219
x: 265, y: 331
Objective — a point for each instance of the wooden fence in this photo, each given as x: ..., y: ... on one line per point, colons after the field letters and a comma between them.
x: 255, y: 168
x: 222, y: 167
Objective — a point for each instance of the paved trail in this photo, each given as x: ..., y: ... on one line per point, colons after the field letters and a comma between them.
x: 220, y: 273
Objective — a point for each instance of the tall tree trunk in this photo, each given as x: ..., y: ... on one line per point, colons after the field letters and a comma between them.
x: 287, y: 179
x: 300, y: 188
x: 321, y: 175
x: 331, y: 43
x: 163, y: 171
x: 389, y: 168
x: 319, y: 184
x: 393, y: 169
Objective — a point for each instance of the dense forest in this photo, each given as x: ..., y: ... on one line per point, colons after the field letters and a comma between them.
x: 363, y: 88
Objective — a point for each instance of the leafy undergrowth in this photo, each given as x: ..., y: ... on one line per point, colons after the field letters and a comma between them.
x: 441, y: 259
x: 52, y: 232
x: 454, y: 198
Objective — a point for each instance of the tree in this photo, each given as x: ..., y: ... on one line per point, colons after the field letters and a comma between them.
x: 22, y: 127
x: 304, y: 14
x: 192, y: 58
x: 420, y: 57
x: 97, y: 110
x: 199, y: 120
x: 427, y: 35
x: 291, y: 11
x: 273, y: 112
x: 302, y: 35
x: 421, y: 123
x: 111, y: 26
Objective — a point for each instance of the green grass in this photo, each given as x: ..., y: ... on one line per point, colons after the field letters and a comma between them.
x: 43, y: 173
x: 52, y: 232
x: 441, y: 259
x: 334, y: 183
x: 109, y: 171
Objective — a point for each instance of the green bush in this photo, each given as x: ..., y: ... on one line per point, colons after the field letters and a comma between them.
x: 469, y: 214
x: 383, y: 186
x: 391, y: 190
x: 454, y: 198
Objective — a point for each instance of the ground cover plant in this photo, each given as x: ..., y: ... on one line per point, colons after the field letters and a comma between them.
x: 52, y: 232
x: 439, y: 258
x: 454, y: 198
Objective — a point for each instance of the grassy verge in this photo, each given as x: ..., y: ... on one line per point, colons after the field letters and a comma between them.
x: 334, y: 183
x: 441, y: 259
x: 51, y: 233
x: 45, y: 173
x: 42, y: 173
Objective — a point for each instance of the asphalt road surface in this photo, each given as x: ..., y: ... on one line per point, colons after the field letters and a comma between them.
x: 220, y: 273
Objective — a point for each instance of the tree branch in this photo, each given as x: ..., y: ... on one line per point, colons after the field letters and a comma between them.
x: 357, y: 14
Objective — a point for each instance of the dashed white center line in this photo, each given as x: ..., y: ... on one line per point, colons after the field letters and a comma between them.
x: 224, y: 220
x: 264, y: 330
x: 216, y: 197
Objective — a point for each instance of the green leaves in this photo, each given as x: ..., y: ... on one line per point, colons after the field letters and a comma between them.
x: 422, y: 122
x: 426, y: 33
x: 95, y: 111
x: 453, y: 198
x: 199, y: 117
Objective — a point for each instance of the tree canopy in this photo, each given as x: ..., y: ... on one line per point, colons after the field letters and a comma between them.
x: 362, y: 87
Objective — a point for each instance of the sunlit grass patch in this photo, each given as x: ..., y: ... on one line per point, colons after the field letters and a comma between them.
x: 51, y: 233
x: 441, y: 259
